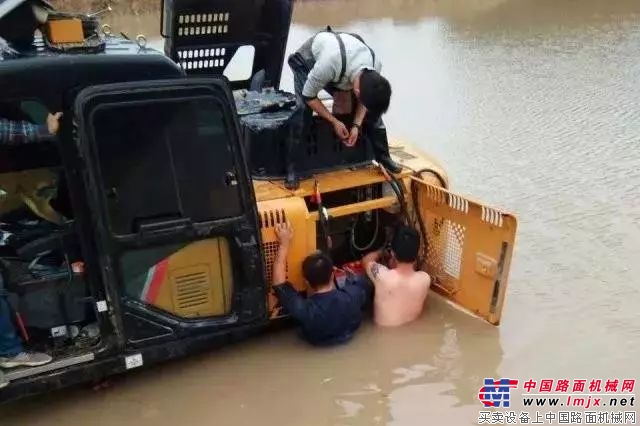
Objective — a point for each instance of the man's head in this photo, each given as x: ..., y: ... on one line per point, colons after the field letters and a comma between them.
x: 317, y: 269
x: 405, y: 244
x: 374, y: 91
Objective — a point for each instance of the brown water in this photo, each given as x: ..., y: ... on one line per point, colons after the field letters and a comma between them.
x: 532, y: 105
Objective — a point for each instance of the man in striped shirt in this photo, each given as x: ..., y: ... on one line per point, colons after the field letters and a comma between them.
x: 23, y: 132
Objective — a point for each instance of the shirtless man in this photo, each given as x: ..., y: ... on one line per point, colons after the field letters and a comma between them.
x: 400, y: 290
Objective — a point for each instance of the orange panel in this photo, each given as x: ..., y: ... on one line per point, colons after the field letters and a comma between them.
x: 65, y: 31
x: 469, y: 249
x: 272, y: 213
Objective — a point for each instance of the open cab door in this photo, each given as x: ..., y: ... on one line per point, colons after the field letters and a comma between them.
x: 173, y: 209
x: 468, y: 249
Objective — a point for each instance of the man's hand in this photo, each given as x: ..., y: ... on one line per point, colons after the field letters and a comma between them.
x: 284, y: 232
x: 53, y: 122
x: 353, y: 137
x: 340, y: 129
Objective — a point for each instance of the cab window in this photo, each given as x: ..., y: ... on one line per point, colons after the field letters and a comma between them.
x: 165, y: 160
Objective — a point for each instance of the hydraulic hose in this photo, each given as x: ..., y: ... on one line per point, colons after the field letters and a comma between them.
x: 373, y: 239
x: 397, y: 186
x: 419, y: 173
x: 416, y: 203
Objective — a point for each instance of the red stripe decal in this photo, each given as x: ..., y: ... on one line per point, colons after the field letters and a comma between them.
x: 156, y: 281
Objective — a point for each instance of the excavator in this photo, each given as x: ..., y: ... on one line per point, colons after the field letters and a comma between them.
x: 144, y: 231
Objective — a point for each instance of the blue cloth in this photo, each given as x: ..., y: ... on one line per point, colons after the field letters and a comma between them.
x: 10, y: 343
x: 326, y: 318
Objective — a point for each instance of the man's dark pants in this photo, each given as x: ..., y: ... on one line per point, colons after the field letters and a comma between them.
x: 10, y: 343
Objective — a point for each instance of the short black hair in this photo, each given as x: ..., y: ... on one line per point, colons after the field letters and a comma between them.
x: 317, y: 269
x: 375, y: 91
x: 406, y: 244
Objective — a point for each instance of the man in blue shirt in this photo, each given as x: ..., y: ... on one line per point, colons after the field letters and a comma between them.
x: 330, y: 315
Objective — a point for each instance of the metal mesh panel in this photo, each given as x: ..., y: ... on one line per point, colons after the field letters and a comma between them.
x: 203, y: 24
x: 269, y: 252
x: 216, y: 26
x: 445, y: 255
x: 469, y: 247
x: 194, y: 59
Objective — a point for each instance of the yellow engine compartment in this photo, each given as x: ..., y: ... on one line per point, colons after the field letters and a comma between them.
x: 469, y: 244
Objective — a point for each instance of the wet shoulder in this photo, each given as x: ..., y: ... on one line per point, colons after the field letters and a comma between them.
x: 423, y: 278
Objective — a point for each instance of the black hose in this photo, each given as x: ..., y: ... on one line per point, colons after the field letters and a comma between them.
x: 418, y: 174
x: 398, y: 188
x: 416, y: 206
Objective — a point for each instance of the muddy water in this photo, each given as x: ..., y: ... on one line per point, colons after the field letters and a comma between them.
x: 532, y: 105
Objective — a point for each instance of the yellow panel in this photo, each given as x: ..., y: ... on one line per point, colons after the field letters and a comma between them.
x: 355, y: 208
x: 304, y: 242
x: 330, y: 181
x: 414, y: 158
x: 198, y: 282
x: 469, y: 249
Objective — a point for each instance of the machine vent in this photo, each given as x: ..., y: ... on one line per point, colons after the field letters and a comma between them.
x: 203, y: 24
x: 202, y: 58
x: 192, y: 290
x: 270, y: 218
x: 270, y: 251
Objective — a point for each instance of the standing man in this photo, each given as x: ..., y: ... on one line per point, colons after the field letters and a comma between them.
x: 340, y: 62
x: 400, y: 290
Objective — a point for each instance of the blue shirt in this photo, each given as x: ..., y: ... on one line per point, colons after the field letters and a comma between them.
x: 326, y: 318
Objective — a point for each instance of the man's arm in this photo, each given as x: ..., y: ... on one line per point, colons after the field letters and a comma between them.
x: 280, y: 264
x: 317, y: 105
x: 22, y: 132
x: 361, y: 111
x: 371, y: 265
x: 293, y: 303
x: 319, y: 77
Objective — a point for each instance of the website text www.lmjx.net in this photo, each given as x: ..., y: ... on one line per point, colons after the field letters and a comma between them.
x: 558, y: 402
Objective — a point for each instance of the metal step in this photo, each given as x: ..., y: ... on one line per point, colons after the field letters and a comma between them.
x: 22, y: 372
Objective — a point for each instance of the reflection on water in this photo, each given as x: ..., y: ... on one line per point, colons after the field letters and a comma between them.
x: 532, y: 105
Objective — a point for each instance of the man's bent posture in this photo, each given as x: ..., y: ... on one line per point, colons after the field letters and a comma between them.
x: 400, y: 290
x: 339, y: 62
